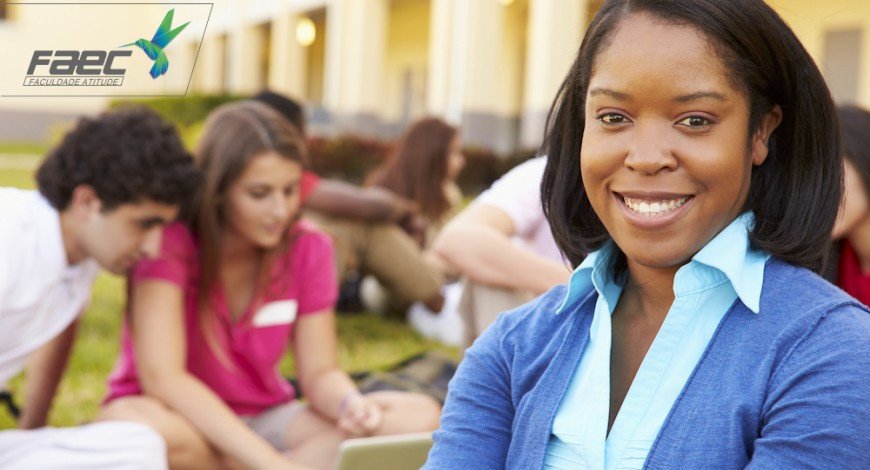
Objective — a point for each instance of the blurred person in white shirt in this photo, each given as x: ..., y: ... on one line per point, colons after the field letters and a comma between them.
x: 104, y: 194
x: 502, y: 244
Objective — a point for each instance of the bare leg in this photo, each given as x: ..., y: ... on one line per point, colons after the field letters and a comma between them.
x: 313, y: 439
x: 186, y: 447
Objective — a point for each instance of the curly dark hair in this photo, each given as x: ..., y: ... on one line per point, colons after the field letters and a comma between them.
x: 291, y: 109
x: 127, y: 156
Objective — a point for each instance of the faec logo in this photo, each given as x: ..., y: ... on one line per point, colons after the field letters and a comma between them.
x: 96, y: 62
x: 78, y: 63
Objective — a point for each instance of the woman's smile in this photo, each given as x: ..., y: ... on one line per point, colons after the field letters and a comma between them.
x: 650, y: 210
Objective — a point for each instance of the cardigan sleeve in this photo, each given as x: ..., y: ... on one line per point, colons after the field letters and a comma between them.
x: 475, y: 431
x: 817, y: 412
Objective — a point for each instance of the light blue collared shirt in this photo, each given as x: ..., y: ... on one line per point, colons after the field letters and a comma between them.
x: 705, y: 288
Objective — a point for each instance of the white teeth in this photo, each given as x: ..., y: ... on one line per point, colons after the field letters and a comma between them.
x: 651, y: 208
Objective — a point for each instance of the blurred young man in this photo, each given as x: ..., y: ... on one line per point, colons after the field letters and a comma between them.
x: 104, y: 194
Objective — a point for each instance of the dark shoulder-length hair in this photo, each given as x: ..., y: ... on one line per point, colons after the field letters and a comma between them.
x: 417, y: 167
x: 794, y: 193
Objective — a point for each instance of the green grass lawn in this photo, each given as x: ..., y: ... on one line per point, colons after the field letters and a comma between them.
x: 366, y: 342
x: 23, y: 147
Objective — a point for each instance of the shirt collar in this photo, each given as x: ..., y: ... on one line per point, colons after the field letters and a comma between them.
x: 728, y: 252
x: 594, y: 272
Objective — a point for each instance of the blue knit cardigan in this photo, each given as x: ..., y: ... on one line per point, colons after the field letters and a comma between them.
x: 784, y: 389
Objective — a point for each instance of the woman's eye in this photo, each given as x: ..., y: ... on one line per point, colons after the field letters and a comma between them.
x: 259, y: 195
x: 612, y: 118
x: 695, y: 122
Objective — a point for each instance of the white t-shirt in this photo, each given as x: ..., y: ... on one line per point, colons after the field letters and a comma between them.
x: 40, y: 294
x: 518, y: 194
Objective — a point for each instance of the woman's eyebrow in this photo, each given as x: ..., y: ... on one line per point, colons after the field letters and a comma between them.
x: 622, y: 96
x: 618, y: 95
x: 698, y: 95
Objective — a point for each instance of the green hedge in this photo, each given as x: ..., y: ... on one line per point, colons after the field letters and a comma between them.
x: 346, y: 157
x: 182, y: 111
x: 351, y: 158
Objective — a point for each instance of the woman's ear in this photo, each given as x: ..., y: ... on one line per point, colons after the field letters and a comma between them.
x: 760, y: 139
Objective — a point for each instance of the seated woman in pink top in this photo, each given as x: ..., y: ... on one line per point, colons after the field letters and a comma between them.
x: 210, y: 318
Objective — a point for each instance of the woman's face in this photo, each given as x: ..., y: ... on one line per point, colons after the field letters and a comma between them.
x: 261, y: 203
x: 854, y: 206
x: 666, y: 157
x: 455, y: 159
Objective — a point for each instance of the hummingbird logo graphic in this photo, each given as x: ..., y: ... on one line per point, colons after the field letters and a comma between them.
x: 154, y: 47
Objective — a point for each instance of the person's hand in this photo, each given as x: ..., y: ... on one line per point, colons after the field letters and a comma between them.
x: 401, y: 211
x: 415, y: 226
x: 359, y: 416
x: 396, y: 208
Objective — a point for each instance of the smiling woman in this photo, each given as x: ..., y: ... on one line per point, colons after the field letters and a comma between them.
x: 691, y: 149
x: 667, y: 153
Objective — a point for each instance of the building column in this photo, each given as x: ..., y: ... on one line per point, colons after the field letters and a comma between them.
x: 356, y: 41
x: 476, y: 72
x: 442, y: 62
x: 181, y: 58
x: 464, y: 45
x: 555, y: 32
x: 210, y: 65
x: 244, y: 46
x: 235, y: 49
x: 288, y: 71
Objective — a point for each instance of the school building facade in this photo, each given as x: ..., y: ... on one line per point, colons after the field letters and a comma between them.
x: 491, y: 66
